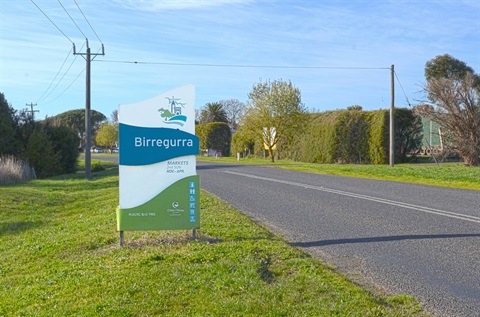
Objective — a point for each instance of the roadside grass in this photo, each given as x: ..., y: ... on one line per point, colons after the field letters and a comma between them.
x: 61, y: 257
x: 454, y: 175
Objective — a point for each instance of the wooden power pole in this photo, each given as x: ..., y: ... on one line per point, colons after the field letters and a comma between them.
x: 88, y: 125
x: 392, y: 123
x: 32, y: 112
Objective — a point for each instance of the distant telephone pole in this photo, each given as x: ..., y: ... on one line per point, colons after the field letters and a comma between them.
x: 392, y: 116
x: 32, y: 112
x: 88, y: 126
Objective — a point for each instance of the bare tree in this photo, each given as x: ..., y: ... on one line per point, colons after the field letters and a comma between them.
x: 114, y: 116
x: 455, y: 106
x: 234, y: 110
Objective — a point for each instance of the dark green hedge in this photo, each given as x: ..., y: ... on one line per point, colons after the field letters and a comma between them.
x: 346, y: 136
x: 215, y: 136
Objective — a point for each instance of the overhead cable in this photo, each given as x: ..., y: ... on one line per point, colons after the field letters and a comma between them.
x: 240, y: 65
x: 60, y: 80
x: 408, y: 101
x: 60, y: 94
x: 87, y: 21
x: 51, y: 21
x: 72, y: 19
x: 58, y: 72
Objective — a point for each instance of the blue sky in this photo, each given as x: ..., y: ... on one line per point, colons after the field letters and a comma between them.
x: 338, y: 53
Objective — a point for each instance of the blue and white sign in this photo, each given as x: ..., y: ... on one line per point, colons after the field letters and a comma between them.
x: 159, y: 188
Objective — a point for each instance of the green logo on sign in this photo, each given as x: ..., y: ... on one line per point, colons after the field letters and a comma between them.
x: 174, y: 115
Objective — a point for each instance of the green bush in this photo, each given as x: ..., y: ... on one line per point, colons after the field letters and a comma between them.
x: 97, y: 166
x: 408, y: 133
x: 52, y: 150
x: 66, y: 142
x: 41, y: 154
x: 216, y: 136
x: 242, y: 142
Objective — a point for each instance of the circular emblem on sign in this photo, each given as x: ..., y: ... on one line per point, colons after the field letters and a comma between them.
x: 175, y: 204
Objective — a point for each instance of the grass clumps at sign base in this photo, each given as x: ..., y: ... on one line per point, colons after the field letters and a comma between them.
x: 61, y: 257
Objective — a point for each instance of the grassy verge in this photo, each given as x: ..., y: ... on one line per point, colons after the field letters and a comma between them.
x: 60, y: 257
x: 455, y: 175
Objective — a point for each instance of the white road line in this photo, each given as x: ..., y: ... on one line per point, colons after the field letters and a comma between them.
x: 365, y: 197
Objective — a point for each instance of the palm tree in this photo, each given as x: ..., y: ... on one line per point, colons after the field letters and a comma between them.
x: 213, y: 112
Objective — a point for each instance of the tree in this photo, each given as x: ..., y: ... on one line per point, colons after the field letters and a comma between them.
x: 234, y: 109
x: 76, y: 120
x: 213, y: 112
x: 8, y: 142
x: 455, y: 107
x: 355, y: 108
x: 446, y: 66
x: 408, y: 133
x: 114, y: 116
x: 274, y: 111
x: 107, y: 135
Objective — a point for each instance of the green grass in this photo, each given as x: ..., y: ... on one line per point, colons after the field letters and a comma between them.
x: 61, y: 257
x: 455, y: 175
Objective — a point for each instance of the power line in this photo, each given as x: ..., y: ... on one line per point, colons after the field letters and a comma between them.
x: 241, y: 66
x: 60, y: 94
x: 51, y: 21
x: 87, y: 21
x: 72, y: 19
x: 63, y: 76
x: 58, y: 72
x: 398, y: 79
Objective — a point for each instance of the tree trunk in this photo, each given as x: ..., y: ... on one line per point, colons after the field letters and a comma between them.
x: 270, y: 152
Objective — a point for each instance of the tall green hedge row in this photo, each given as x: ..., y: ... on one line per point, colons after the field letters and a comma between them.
x: 343, y: 136
x: 347, y: 136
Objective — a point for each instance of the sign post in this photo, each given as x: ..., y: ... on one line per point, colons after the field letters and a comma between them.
x: 159, y: 188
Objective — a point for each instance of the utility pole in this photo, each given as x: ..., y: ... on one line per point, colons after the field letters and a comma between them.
x: 88, y: 125
x: 31, y: 105
x: 392, y: 107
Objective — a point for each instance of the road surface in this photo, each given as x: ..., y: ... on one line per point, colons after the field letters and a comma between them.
x: 406, y: 238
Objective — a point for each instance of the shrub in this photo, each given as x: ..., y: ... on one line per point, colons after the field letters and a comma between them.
x: 215, y: 136
x: 97, y: 166
x: 52, y: 150
x: 41, y: 154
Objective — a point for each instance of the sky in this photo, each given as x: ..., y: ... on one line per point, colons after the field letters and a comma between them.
x: 337, y: 52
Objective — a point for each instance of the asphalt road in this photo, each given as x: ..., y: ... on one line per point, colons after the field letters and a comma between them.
x: 406, y: 239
